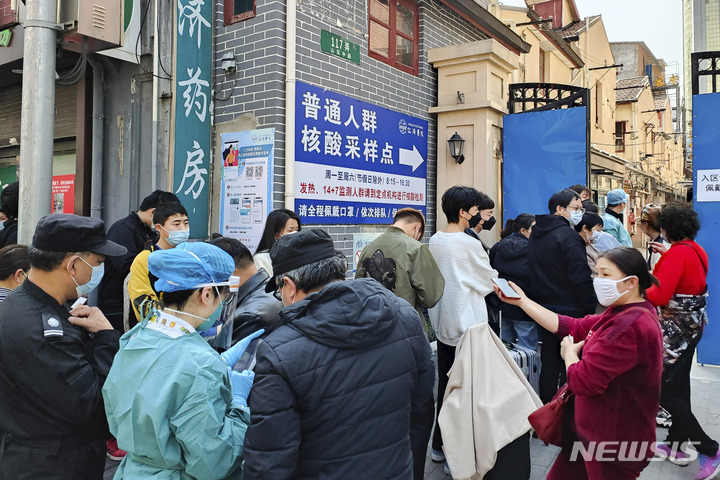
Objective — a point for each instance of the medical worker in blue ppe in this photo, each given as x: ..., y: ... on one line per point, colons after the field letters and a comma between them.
x: 172, y: 402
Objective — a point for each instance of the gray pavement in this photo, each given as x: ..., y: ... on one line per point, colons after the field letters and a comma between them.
x: 706, y: 406
x: 705, y: 387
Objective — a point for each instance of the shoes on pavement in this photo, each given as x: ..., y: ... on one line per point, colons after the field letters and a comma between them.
x: 663, y: 418
x: 446, y: 469
x: 437, y: 455
x: 678, y: 457
x: 113, y: 451
x: 709, y: 466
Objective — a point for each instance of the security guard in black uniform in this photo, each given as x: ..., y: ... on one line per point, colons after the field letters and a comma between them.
x: 53, y: 359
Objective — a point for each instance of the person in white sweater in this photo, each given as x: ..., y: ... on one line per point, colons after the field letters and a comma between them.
x: 468, y: 279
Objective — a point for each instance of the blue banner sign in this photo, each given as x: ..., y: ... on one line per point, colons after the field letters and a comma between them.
x: 192, y: 97
x: 356, y: 162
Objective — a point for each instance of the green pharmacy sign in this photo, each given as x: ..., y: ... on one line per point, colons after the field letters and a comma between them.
x: 338, y: 46
x: 193, y: 60
x: 5, y: 36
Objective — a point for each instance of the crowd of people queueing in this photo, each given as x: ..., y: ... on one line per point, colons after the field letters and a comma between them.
x: 203, y: 360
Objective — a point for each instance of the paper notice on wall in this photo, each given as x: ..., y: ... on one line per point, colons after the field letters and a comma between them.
x: 708, y: 185
x: 247, y: 163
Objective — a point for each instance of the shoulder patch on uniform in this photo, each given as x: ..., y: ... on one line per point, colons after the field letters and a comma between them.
x: 52, y: 327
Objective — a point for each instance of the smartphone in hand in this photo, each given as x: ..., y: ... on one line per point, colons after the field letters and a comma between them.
x: 505, y: 288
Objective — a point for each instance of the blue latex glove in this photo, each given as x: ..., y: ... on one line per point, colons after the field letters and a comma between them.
x: 241, y: 382
x: 233, y: 354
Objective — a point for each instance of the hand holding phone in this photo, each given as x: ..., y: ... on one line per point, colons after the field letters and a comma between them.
x: 505, y: 288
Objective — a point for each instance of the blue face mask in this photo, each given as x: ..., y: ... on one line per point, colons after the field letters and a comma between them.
x: 210, y: 321
x: 95, y: 279
x: 176, y: 237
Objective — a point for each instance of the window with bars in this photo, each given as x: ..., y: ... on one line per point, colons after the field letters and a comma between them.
x: 238, y: 10
x: 393, y: 31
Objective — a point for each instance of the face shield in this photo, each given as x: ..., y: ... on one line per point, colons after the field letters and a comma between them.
x: 220, y: 335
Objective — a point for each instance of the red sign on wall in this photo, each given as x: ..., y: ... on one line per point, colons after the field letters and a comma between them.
x: 63, y: 194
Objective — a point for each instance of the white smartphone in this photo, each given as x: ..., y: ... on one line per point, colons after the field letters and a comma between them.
x: 505, y: 288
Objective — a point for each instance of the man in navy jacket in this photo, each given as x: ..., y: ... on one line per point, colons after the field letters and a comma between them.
x: 342, y: 383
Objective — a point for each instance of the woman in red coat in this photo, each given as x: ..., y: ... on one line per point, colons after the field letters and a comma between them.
x: 682, y: 270
x: 617, y: 381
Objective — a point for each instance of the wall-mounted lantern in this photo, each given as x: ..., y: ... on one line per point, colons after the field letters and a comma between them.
x: 456, y: 148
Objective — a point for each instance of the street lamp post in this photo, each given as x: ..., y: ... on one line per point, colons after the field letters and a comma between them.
x: 38, y: 116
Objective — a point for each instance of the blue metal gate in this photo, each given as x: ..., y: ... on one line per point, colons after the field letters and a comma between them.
x: 706, y: 190
x: 545, y: 147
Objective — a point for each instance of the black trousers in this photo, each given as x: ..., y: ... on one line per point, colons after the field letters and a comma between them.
x: 675, y: 398
x: 552, y: 371
x: 53, y: 462
x: 445, y: 360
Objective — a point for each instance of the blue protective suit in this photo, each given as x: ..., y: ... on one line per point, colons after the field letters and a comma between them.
x: 169, y: 404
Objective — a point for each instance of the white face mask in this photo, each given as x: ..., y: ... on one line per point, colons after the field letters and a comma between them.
x: 575, y: 217
x: 595, y: 236
x: 95, y: 279
x: 606, y: 290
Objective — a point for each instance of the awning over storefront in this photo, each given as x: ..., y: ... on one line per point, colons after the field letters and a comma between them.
x: 607, y: 164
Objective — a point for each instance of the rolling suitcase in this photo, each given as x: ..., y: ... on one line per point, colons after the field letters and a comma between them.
x: 527, y: 359
x: 529, y: 363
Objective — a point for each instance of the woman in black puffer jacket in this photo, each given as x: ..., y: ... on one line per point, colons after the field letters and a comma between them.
x: 509, y: 257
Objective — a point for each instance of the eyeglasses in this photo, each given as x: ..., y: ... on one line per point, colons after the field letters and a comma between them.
x: 278, y: 291
x: 575, y: 209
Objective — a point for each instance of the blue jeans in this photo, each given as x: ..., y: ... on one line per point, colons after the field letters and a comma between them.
x: 525, y: 332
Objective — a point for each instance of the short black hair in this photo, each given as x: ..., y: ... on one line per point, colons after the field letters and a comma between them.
x: 275, y: 223
x: 679, y: 221
x: 631, y: 262
x: 166, y: 210
x: 460, y: 197
x: 13, y: 258
x: 179, y: 298
x: 47, y: 261
x: 158, y: 197
x: 562, y: 199
x: 9, y: 200
x: 235, y: 248
x: 589, y: 220
x: 591, y: 207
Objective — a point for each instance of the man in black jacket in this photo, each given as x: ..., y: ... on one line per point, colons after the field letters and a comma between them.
x: 560, y: 278
x: 256, y: 309
x: 53, y: 360
x: 9, y: 206
x: 133, y: 232
x: 341, y: 385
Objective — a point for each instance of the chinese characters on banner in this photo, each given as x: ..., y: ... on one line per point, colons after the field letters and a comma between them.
x: 356, y: 162
x: 708, y: 185
x: 247, y: 166
x: 192, y: 96
x: 63, y: 194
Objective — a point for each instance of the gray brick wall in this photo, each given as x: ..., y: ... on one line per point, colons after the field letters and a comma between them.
x: 258, y: 44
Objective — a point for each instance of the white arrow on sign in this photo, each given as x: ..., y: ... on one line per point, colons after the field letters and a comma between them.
x: 411, y: 158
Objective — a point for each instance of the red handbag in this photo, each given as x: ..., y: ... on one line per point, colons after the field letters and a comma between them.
x: 549, y: 421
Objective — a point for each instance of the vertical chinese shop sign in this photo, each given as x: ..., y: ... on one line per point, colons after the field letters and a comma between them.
x: 193, y: 63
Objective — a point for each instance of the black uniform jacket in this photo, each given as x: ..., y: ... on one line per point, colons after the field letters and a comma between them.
x: 51, y: 372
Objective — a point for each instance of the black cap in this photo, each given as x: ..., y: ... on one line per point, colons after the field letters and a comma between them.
x: 62, y: 232
x: 299, y: 249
